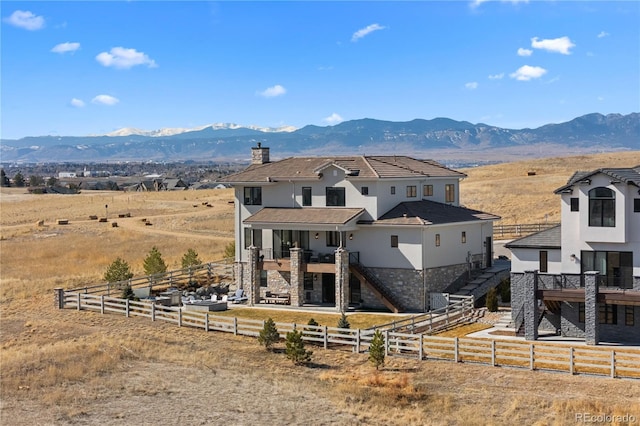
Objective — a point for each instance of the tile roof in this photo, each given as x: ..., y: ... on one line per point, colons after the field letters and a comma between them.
x: 426, y: 212
x: 549, y: 238
x: 309, y: 168
x: 306, y: 215
x: 629, y: 176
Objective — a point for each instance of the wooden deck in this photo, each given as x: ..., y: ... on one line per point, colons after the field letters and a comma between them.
x: 608, y: 296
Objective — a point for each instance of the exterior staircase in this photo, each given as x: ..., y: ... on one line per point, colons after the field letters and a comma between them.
x: 376, y: 286
x: 490, y: 277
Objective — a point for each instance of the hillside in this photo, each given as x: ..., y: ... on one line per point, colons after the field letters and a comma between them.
x: 507, y: 190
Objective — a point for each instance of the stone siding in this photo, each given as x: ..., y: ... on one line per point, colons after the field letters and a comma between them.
x: 636, y: 283
x: 620, y: 332
x: 570, y: 326
x: 405, y: 284
x: 550, y: 322
x: 517, y: 294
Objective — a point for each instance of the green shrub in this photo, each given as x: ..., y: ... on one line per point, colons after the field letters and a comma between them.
x: 492, y: 300
x: 376, y: 350
x: 295, y: 349
x: 269, y: 334
x: 343, y: 322
x: 505, y: 290
x: 230, y: 251
x: 127, y: 293
x: 119, y: 270
x: 153, y: 263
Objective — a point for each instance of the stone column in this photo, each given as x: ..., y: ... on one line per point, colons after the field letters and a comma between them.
x: 531, y: 312
x: 297, y: 276
x: 342, y: 279
x: 253, y: 277
x: 591, y: 308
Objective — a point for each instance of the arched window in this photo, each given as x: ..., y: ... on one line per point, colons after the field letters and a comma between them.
x: 602, y: 207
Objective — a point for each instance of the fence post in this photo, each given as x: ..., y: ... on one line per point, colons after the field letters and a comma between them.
x: 531, y: 359
x: 446, y: 315
x: 59, y: 297
x: 235, y: 326
x: 571, y: 366
x: 493, y: 353
x: 613, y: 364
x: 386, y: 342
x: 102, y: 305
x: 206, y: 321
x: 108, y: 289
x: 421, y: 348
x: 357, y: 348
x: 127, y: 307
x: 179, y: 317
x: 79, y: 307
x: 456, y: 350
x: 153, y: 312
x: 326, y: 337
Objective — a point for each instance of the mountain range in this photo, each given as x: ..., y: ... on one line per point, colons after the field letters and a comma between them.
x: 419, y: 137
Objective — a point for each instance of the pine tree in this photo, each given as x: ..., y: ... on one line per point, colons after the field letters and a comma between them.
x: 313, y: 323
x: 190, y: 258
x: 376, y: 350
x: 119, y: 270
x: 269, y: 334
x: 230, y: 250
x: 343, y: 322
x: 492, y: 300
x: 153, y: 263
x: 18, y: 179
x: 127, y: 293
x: 4, y: 180
x: 295, y: 349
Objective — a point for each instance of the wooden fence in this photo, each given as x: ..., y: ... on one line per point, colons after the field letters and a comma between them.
x: 619, y: 362
x: 204, y: 272
x: 520, y: 229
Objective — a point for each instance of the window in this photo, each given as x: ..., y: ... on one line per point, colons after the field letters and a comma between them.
x: 464, y: 237
x: 335, y: 197
x: 252, y: 236
x: 437, y: 240
x: 581, y: 312
x: 412, y: 191
x: 615, y: 267
x: 544, y: 255
x: 393, y: 190
x: 308, y: 281
x: 575, y: 204
x: 253, y: 196
x: 608, y: 314
x: 449, y: 193
x: 364, y: 190
x: 628, y: 315
x: 394, y: 241
x: 263, y: 278
x: 333, y: 238
x: 306, y: 195
x: 602, y: 207
x: 427, y: 190
x: 636, y: 205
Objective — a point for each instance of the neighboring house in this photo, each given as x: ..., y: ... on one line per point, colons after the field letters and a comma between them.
x: 582, y: 278
x: 173, y: 184
x: 374, y: 231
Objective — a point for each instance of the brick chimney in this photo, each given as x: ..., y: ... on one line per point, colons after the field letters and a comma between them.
x: 259, y: 155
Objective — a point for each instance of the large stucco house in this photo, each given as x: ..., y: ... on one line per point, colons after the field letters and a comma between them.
x: 582, y: 278
x: 374, y: 231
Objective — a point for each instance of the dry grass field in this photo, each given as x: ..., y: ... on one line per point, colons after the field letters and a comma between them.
x: 70, y: 367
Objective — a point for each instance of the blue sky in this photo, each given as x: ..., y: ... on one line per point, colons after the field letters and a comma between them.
x: 79, y: 68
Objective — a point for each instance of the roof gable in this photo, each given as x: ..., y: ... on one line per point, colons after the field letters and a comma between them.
x: 630, y: 176
x: 427, y: 212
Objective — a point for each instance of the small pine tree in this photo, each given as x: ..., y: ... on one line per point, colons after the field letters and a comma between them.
x: 343, y: 322
x: 190, y: 258
x: 492, y: 300
x: 505, y: 290
x: 127, y: 293
x: 295, y: 349
x: 153, y: 263
x: 311, y: 322
x: 269, y: 334
x: 119, y: 270
x: 18, y: 179
x: 376, y: 350
x: 230, y: 251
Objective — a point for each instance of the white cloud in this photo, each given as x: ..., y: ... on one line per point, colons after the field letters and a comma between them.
x: 525, y: 52
x: 366, y: 31
x: 65, y: 47
x: 272, y: 92
x: 119, y: 57
x: 527, y: 72
x: 496, y: 76
x: 25, y: 19
x: 105, y: 100
x: 471, y: 85
x: 78, y: 103
x: 333, y: 119
x: 603, y: 34
x: 477, y: 3
x: 558, y: 45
